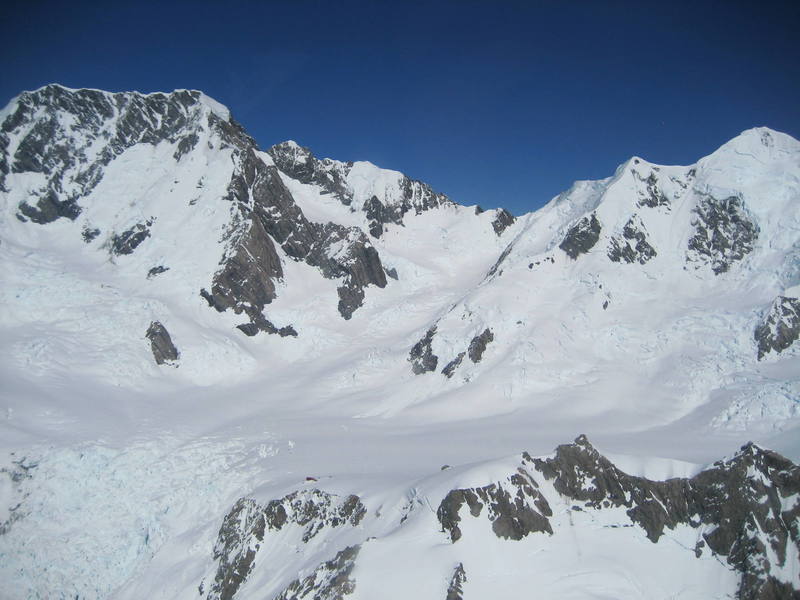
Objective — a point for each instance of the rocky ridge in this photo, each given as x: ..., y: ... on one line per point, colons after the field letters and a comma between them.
x: 745, y: 511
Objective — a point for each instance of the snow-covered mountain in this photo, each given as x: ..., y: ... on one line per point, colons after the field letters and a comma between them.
x: 236, y: 373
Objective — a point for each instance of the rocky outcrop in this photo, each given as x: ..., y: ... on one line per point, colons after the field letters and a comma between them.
x: 421, y: 357
x: 724, y: 233
x: 455, y: 591
x: 332, y: 580
x: 337, y: 251
x: 650, y: 195
x: 780, y: 327
x: 502, y: 221
x: 310, y: 512
x: 632, y: 246
x: 127, y: 241
x: 581, y: 237
x: 515, y: 508
x: 746, y: 509
x: 477, y: 345
x: 450, y: 368
x: 164, y: 351
x: 238, y: 541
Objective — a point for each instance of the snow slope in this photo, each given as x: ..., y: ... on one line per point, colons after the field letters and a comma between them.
x: 654, y: 310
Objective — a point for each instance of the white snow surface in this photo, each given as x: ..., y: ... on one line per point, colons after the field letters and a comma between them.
x: 130, y: 467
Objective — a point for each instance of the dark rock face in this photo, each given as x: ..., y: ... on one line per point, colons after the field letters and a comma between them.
x: 780, y: 327
x: 736, y: 505
x: 421, y: 356
x: 337, y: 251
x: 651, y: 196
x: 164, y: 351
x: 245, y: 527
x: 478, y: 345
x: 724, y: 233
x: 581, y: 237
x: 450, y: 368
x: 128, y: 241
x: 239, y: 539
x: 502, y: 221
x: 49, y: 208
x: 330, y: 581
x: 515, y: 507
x: 633, y: 245
x: 455, y: 591
x: 157, y: 271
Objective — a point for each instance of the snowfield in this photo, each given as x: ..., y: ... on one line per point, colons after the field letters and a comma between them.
x: 635, y: 310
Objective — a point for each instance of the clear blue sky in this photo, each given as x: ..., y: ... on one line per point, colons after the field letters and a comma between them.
x: 494, y: 103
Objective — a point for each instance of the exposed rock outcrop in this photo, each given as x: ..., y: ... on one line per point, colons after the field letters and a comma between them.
x: 515, y: 507
x: 502, y: 221
x: 632, y: 246
x: 477, y: 345
x: 450, y: 368
x: 455, y: 591
x: 337, y: 251
x: 780, y: 327
x: 724, y: 233
x: 581, y: 237
x: 651, y: 196
x: 246, y: 526
x: 164, y: 351
x: 127, y: 241
x: 739, y: 506
x: 422, y: 358
x: 332, y: 580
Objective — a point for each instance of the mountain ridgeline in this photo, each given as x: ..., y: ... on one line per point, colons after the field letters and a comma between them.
x: 284, y: 343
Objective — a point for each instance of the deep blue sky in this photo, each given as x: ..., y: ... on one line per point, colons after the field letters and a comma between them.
x: 494, y: 103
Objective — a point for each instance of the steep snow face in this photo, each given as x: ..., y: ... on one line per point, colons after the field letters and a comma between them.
x: 645, y: 292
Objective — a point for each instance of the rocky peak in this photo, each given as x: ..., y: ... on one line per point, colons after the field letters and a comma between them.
x: 68, y: 136
x: 384, y: 196
x: 298, y: 162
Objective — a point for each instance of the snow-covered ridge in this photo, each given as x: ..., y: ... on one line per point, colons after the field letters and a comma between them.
x: 345, y: 331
